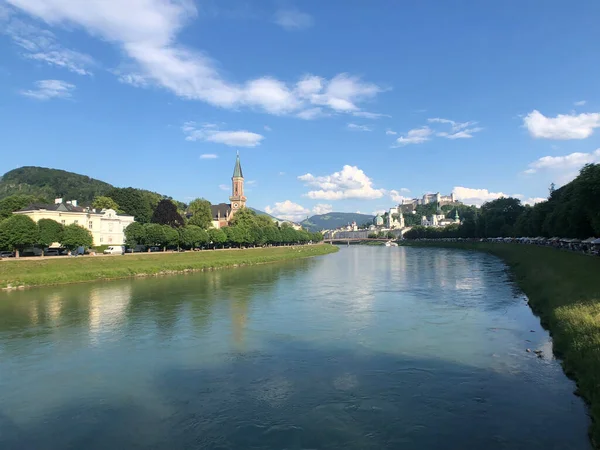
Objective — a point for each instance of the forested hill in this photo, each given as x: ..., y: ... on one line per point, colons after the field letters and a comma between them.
x: 51, y: 183
x: 333, y: 220
x: 28, y: 184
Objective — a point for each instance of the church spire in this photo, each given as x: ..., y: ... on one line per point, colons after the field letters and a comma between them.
x: 237, y: 171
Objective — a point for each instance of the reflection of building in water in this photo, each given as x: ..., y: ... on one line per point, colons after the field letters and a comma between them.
x: 239, y: 317
x: 107, y: 308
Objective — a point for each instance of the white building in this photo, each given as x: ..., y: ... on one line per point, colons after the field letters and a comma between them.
x: 439, y: 220
x: 395, y: 218
x: 107, y: 227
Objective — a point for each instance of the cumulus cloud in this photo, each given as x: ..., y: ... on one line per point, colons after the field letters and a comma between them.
x: 146, y: 32
x: 580, y: 103
x: 267, y: 128
x: 415, y: 136
x: 42, y: 45
x: 350, y: 182
x: 533, y: 200
x: 49, y: 89
x: 211, y: 133
x: 397, y: 195
x: 208, y: 156
x: 561, y: 127
x: 390, y: 133
x: 563, y: 168
x: 477, y: 197
x: 293, y: 20
x: 294, y: 212
x: 355, y: 127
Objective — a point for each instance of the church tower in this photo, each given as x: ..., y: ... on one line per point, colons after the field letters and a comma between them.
x: 238, y: 200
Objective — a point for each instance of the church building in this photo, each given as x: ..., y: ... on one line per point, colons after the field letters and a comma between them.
x: 224, y: 212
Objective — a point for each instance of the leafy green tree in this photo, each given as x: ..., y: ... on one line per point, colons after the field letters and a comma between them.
x: 135, y: 202
x: 18, y: 232
x: 50, y: 231
x: 9, y: 205
x: 154, y: 235
x: 171, y: 237
x: 217, y: 237
x: 166, y: 214
x: 103, y: 202
x: 201, y: 213
x: 193, y: 236
x: 135, y: 234
x: 75, y: 236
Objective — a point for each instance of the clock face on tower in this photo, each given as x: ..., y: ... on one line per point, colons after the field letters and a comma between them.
x: 235, y: 205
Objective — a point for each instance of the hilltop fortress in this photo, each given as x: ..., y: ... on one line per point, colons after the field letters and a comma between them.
x: 409, y: 205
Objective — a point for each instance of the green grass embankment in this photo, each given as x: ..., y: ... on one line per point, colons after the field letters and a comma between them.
x: 61, y: 270
x: 564, y: 290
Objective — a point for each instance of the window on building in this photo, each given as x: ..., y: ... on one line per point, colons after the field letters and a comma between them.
x: 101, y: 240
x: 110, y: 240
x: 91, y: 225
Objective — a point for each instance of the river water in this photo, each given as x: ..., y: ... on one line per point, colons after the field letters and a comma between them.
x: 369, y: 348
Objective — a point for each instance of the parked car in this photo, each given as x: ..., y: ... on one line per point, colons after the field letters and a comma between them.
x: 52, y: 252
x: 155, y: 249
x: 115, y: 250
x: 7, y: 255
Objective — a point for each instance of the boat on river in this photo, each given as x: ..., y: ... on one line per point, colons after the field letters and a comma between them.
x: 391, y: 244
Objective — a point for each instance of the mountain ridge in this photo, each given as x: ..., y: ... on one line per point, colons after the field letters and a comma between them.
x: 334, y: 220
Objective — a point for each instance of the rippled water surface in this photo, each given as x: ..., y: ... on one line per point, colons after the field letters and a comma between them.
x: 369, y: 348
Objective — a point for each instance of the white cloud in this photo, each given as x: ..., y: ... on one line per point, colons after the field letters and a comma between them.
x: 396, y: 195
x: 146, y: 32
x: 533, y: 200
x: 294, y: 212
x: 211, y: 133
x: 580, y: 103
x: 561, y: 127
x: 477, y: 197
x: 459, y: 130
x: 311, y: 114
x: 49, y: 89
x: 288, y: 210
x: 369, y: 115
x: 355, y: 127
x: 224, y: 187
x: 415, y: 136
x: 251, y: 182
x: 267, y: 128
x: 208, y: 156
x: 463, y: 134
x: 350, y: 182
x: 41, y: 45
x: 281, y: 174
x: 390, y: 133
x: 563, y: 168
x: 292, y: 19
x: 322, y: 208
x: 133, y: 79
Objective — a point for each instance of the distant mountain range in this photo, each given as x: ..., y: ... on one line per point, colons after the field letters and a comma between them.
x: 334, y: 220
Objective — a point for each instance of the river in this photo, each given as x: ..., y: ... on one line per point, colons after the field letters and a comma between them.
x: 369, y: 348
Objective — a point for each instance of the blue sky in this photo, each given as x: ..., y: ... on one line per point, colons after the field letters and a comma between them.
x: 339, y: 105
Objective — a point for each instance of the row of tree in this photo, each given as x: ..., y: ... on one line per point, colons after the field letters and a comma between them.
x: 247, y: 229
x: 18, y: 232
x: 573, y: 211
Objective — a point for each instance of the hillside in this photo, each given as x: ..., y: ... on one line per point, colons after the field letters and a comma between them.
x: 334, y: 220
x: 51, y: 183
x: 41, y: 184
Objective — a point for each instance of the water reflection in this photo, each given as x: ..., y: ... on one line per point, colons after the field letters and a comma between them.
x: 369, y: 348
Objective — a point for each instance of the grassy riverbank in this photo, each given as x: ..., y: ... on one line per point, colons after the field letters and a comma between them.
x: 564, y: 290
x: 62, y: 270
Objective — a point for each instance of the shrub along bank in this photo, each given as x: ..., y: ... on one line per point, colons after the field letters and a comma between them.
x: 38, y: 272
x: 564, y: 290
